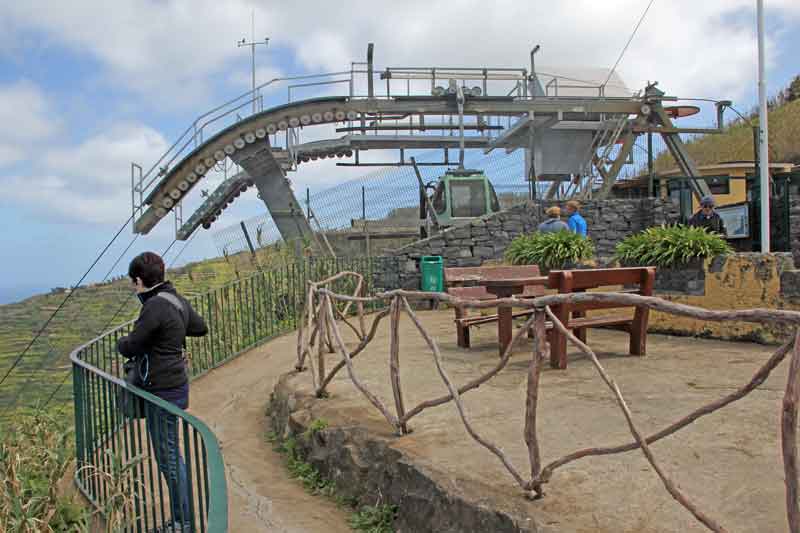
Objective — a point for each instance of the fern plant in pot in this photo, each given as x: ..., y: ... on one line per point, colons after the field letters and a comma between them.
x: 670, y: 246
x: 551, y: 251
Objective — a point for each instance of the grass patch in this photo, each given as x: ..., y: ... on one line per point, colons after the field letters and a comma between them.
x: 736, y: 142
x: 374, y: 518
x: 378, y: 518
x: 35, y: 456
x: 315, y: 427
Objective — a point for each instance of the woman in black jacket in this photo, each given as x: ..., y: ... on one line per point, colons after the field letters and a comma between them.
x: 156, y: 344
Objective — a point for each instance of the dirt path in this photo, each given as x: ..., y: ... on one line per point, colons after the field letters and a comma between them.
x: 262, y: 497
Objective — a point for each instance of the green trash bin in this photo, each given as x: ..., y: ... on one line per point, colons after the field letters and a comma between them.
x: 432, y: 267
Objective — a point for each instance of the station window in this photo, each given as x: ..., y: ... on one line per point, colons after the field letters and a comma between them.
x: 719, y: 185
x: 467, y: 198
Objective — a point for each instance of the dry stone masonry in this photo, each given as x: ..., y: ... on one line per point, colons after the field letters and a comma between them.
x: 794, y: 227
x: 485, y: 239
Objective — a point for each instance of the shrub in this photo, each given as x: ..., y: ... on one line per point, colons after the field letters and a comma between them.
x: 668, y: 246
x: 35, y: 455
x: 549, y: 250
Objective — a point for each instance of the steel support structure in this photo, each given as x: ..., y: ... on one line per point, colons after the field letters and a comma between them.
x: 274, y: 190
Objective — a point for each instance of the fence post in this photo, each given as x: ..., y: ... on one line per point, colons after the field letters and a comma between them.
x: 249, y: 244
x: 650, y: 167
x: 394, y: 362
x: 532, y: 400
x: 364, y: 219
x: 323, y: 334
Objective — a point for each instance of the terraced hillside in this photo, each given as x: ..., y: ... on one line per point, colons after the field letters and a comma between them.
x: 736, y: 144
x: 89, y: 311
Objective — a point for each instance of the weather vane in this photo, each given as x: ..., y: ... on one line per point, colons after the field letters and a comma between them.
x: 252, y: 44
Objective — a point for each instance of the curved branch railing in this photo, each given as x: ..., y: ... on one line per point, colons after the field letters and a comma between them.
x: 321, y: 320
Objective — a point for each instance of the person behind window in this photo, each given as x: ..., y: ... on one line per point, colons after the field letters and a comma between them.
x: 553, y: 222
x: 157, y: 340
x: 708, y: 218
x: 576, y: 223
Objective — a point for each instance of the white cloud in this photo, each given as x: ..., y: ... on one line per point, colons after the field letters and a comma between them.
x: 241, y: 79
x: 173, y: 50
x: 89, y: 182
x: 10, y: 154
x: 60, y: 199
x: 692, y: 48
x: 168, y: 50
x: 103, y: 161
x: 26, y: 117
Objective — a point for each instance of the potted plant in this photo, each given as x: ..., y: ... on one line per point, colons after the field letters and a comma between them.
x: 670, y: 246
x: 550, y: 251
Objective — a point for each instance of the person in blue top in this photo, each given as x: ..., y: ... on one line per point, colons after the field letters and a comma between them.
x: 575, y: 221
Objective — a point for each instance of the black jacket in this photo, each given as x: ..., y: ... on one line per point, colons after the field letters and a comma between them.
x: 713, y: 223
x: 160, y: 333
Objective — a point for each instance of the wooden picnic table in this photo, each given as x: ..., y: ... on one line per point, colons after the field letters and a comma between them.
x: 505, y: 288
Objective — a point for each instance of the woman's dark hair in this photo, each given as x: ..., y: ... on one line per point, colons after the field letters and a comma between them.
x: 149, y: 267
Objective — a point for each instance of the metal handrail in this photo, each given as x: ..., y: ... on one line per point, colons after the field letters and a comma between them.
x: 96, y: 411
x: 214, y: 476
x: 240, y: 315
x: 196, y: 130
x: 193, y: 126
x: 193, y: 132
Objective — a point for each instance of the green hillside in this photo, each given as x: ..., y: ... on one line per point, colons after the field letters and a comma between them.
x: 736, y: 143
x: 90, y: 310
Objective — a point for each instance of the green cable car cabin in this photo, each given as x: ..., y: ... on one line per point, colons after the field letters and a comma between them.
x: 461, y: 195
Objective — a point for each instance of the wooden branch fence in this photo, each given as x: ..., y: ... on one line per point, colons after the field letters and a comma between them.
x: 320, y: 331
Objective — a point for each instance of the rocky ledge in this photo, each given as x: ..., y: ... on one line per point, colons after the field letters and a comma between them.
x: 367, y: 465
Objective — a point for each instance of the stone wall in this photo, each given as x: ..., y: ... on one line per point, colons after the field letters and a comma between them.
x: 367, y: 466
x: 794, y: 227
x: 736, y: 281
x: 688, y: 279
x: 609, y: 221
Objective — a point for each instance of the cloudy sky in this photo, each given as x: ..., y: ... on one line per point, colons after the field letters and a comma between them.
x: 87, y: 87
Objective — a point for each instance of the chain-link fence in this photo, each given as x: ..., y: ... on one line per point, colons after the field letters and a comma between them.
x: 389, y: 198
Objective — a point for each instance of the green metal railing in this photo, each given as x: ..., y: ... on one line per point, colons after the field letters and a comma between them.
x: 119, y: 468
x: 123, y: 465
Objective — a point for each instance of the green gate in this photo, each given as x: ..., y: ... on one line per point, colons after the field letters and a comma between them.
x: 779, y: 209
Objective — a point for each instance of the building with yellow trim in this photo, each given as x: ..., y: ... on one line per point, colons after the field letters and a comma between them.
x: 730, y: 188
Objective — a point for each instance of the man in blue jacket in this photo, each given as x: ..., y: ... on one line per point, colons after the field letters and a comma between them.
x: 575, y: 221
x: 157, y: 343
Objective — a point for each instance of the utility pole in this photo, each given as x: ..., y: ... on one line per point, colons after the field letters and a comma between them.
x: 252, y: 44
x: 763, y: 152
x: 534, y: 80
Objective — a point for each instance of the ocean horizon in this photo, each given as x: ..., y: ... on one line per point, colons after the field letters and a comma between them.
x: 9, y: 295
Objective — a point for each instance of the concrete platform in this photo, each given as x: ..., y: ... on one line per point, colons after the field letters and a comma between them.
x: 442, y: 480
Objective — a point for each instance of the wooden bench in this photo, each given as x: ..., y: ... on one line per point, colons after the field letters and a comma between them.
x: 456, y: 278
x: 574, y: 315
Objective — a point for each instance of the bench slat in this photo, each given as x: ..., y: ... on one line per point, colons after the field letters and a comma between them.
x: 473, y: 293
x: 590, y: 322
x: 599, y: 277
x: 453, y: 275
x: 485, y: 319
x: 590, y: 306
